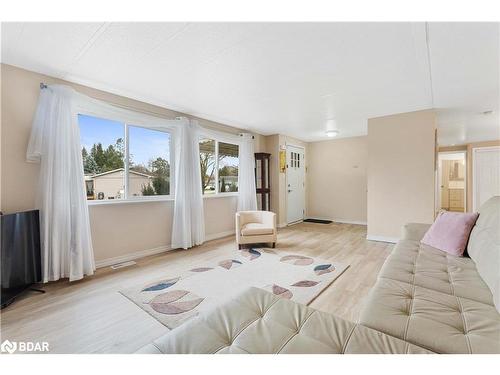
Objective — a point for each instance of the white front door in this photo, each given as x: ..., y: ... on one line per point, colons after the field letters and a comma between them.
x: 485, y: 174
x: 295, y: 173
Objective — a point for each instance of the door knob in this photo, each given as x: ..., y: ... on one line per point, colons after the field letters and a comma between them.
x: 289, y: 191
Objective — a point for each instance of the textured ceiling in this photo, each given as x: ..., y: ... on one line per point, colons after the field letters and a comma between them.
x: 296, y: 79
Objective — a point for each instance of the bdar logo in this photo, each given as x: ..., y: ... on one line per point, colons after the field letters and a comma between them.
x: 8, y: 347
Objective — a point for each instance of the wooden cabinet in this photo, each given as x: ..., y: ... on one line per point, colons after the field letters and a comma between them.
x: 262, y: 181
x: 456, y: 199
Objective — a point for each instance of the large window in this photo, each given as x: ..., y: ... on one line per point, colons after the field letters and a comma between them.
x: 109, y: 174
x: 219, y: 167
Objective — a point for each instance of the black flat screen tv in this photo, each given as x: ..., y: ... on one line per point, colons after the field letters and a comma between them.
x: 20, y: 254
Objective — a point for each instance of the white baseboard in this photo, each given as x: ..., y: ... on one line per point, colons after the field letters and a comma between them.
x: 216, y: 236
x: 154, y: 251
x: 370, y: 237
x: 342, y: 221
x: 131, y: 256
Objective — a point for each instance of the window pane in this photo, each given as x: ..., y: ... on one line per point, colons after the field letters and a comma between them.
x: 103, y: 149
x: 149, y: 162
x: 228, y: 167
x: 207, y: 165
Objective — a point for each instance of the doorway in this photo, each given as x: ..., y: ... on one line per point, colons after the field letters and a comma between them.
x: 295, y: 183
x: 452, y: 181
x: 486, y: 174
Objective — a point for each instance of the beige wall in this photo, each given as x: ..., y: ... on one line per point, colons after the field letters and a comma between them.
x: 117, y: 229
x: 401, y: 172
x: 337, y: 179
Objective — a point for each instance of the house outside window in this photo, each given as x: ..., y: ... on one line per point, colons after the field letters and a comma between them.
x: 123, y: 161
x: 219, y: 162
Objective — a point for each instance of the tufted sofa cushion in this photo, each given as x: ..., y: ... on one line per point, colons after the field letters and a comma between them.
x: 433, y: 299
x: 440, y: 322
x: 259, y: 322
x: 425, y: 266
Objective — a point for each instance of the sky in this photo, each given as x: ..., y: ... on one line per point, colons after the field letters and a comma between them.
x: 145, y: 144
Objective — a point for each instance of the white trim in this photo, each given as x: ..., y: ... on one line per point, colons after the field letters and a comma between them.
x: 216, y: 236
x: 161, y: 198
x: 221, y: 195
x: 154, y: 251
x: 354, y: 222
x: 282, y: 225
x: 103, y: 202
x: 131, y: 256
x: 287, y: 171
x: 371, y: 237
x: 474, y: 190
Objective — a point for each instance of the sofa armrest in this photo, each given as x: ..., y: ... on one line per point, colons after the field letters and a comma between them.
x: 415, y: 231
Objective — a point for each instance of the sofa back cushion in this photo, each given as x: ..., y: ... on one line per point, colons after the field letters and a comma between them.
x: 450, y: 232
x: 484, y: 246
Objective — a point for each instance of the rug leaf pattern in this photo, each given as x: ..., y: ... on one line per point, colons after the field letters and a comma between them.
x: 250, y: 253
x: 323, y: 268
x: 201, y: 287
x: 169, y: 303
x: 282, y: 292
x: 229, y: 263
x: 306, y: 283
x: 201, y: 269
x: 160, y: 285
x: 298, y: 260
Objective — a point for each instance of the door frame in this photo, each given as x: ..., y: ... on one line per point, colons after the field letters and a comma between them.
x: 286, y: 183
x: 439, y: 176
x: 475, y: 150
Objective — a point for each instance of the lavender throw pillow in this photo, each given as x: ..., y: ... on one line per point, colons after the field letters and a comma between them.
x: 450, y: 232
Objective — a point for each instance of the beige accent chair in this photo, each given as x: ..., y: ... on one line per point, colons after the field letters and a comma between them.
x: 255, y: 227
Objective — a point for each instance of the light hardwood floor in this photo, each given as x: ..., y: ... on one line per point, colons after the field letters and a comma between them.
x: 90, y: 315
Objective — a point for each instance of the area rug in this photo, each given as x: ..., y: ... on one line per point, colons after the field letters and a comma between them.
x: 176, y: 298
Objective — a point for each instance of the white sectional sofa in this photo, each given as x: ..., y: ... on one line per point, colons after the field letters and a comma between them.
x: 425, y: 301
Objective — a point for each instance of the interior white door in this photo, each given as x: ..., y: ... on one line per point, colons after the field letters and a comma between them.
x: 485, y: 174
x: 295, y: 176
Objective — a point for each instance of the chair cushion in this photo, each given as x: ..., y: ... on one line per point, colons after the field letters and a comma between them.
x: 260, y: 322
x: 256, y: 229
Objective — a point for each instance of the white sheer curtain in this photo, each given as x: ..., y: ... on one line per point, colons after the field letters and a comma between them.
x: 188, y: 227
x: 247, y: 197
x: 66, y: 243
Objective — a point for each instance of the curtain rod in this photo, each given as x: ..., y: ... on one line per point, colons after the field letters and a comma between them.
x: 151, y: 113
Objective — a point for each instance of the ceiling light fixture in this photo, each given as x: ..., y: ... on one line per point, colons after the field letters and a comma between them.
x: 332, y: 133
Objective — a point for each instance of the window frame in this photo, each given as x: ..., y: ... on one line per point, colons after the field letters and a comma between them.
x: 126, y: 167
x: 217, y: 193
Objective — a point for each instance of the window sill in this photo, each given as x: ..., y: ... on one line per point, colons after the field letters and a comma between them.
x: 128, y: 201
x: 220, y: 195
x: 156, y: 199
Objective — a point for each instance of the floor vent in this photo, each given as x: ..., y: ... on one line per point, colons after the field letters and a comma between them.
x: 123, y: 265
